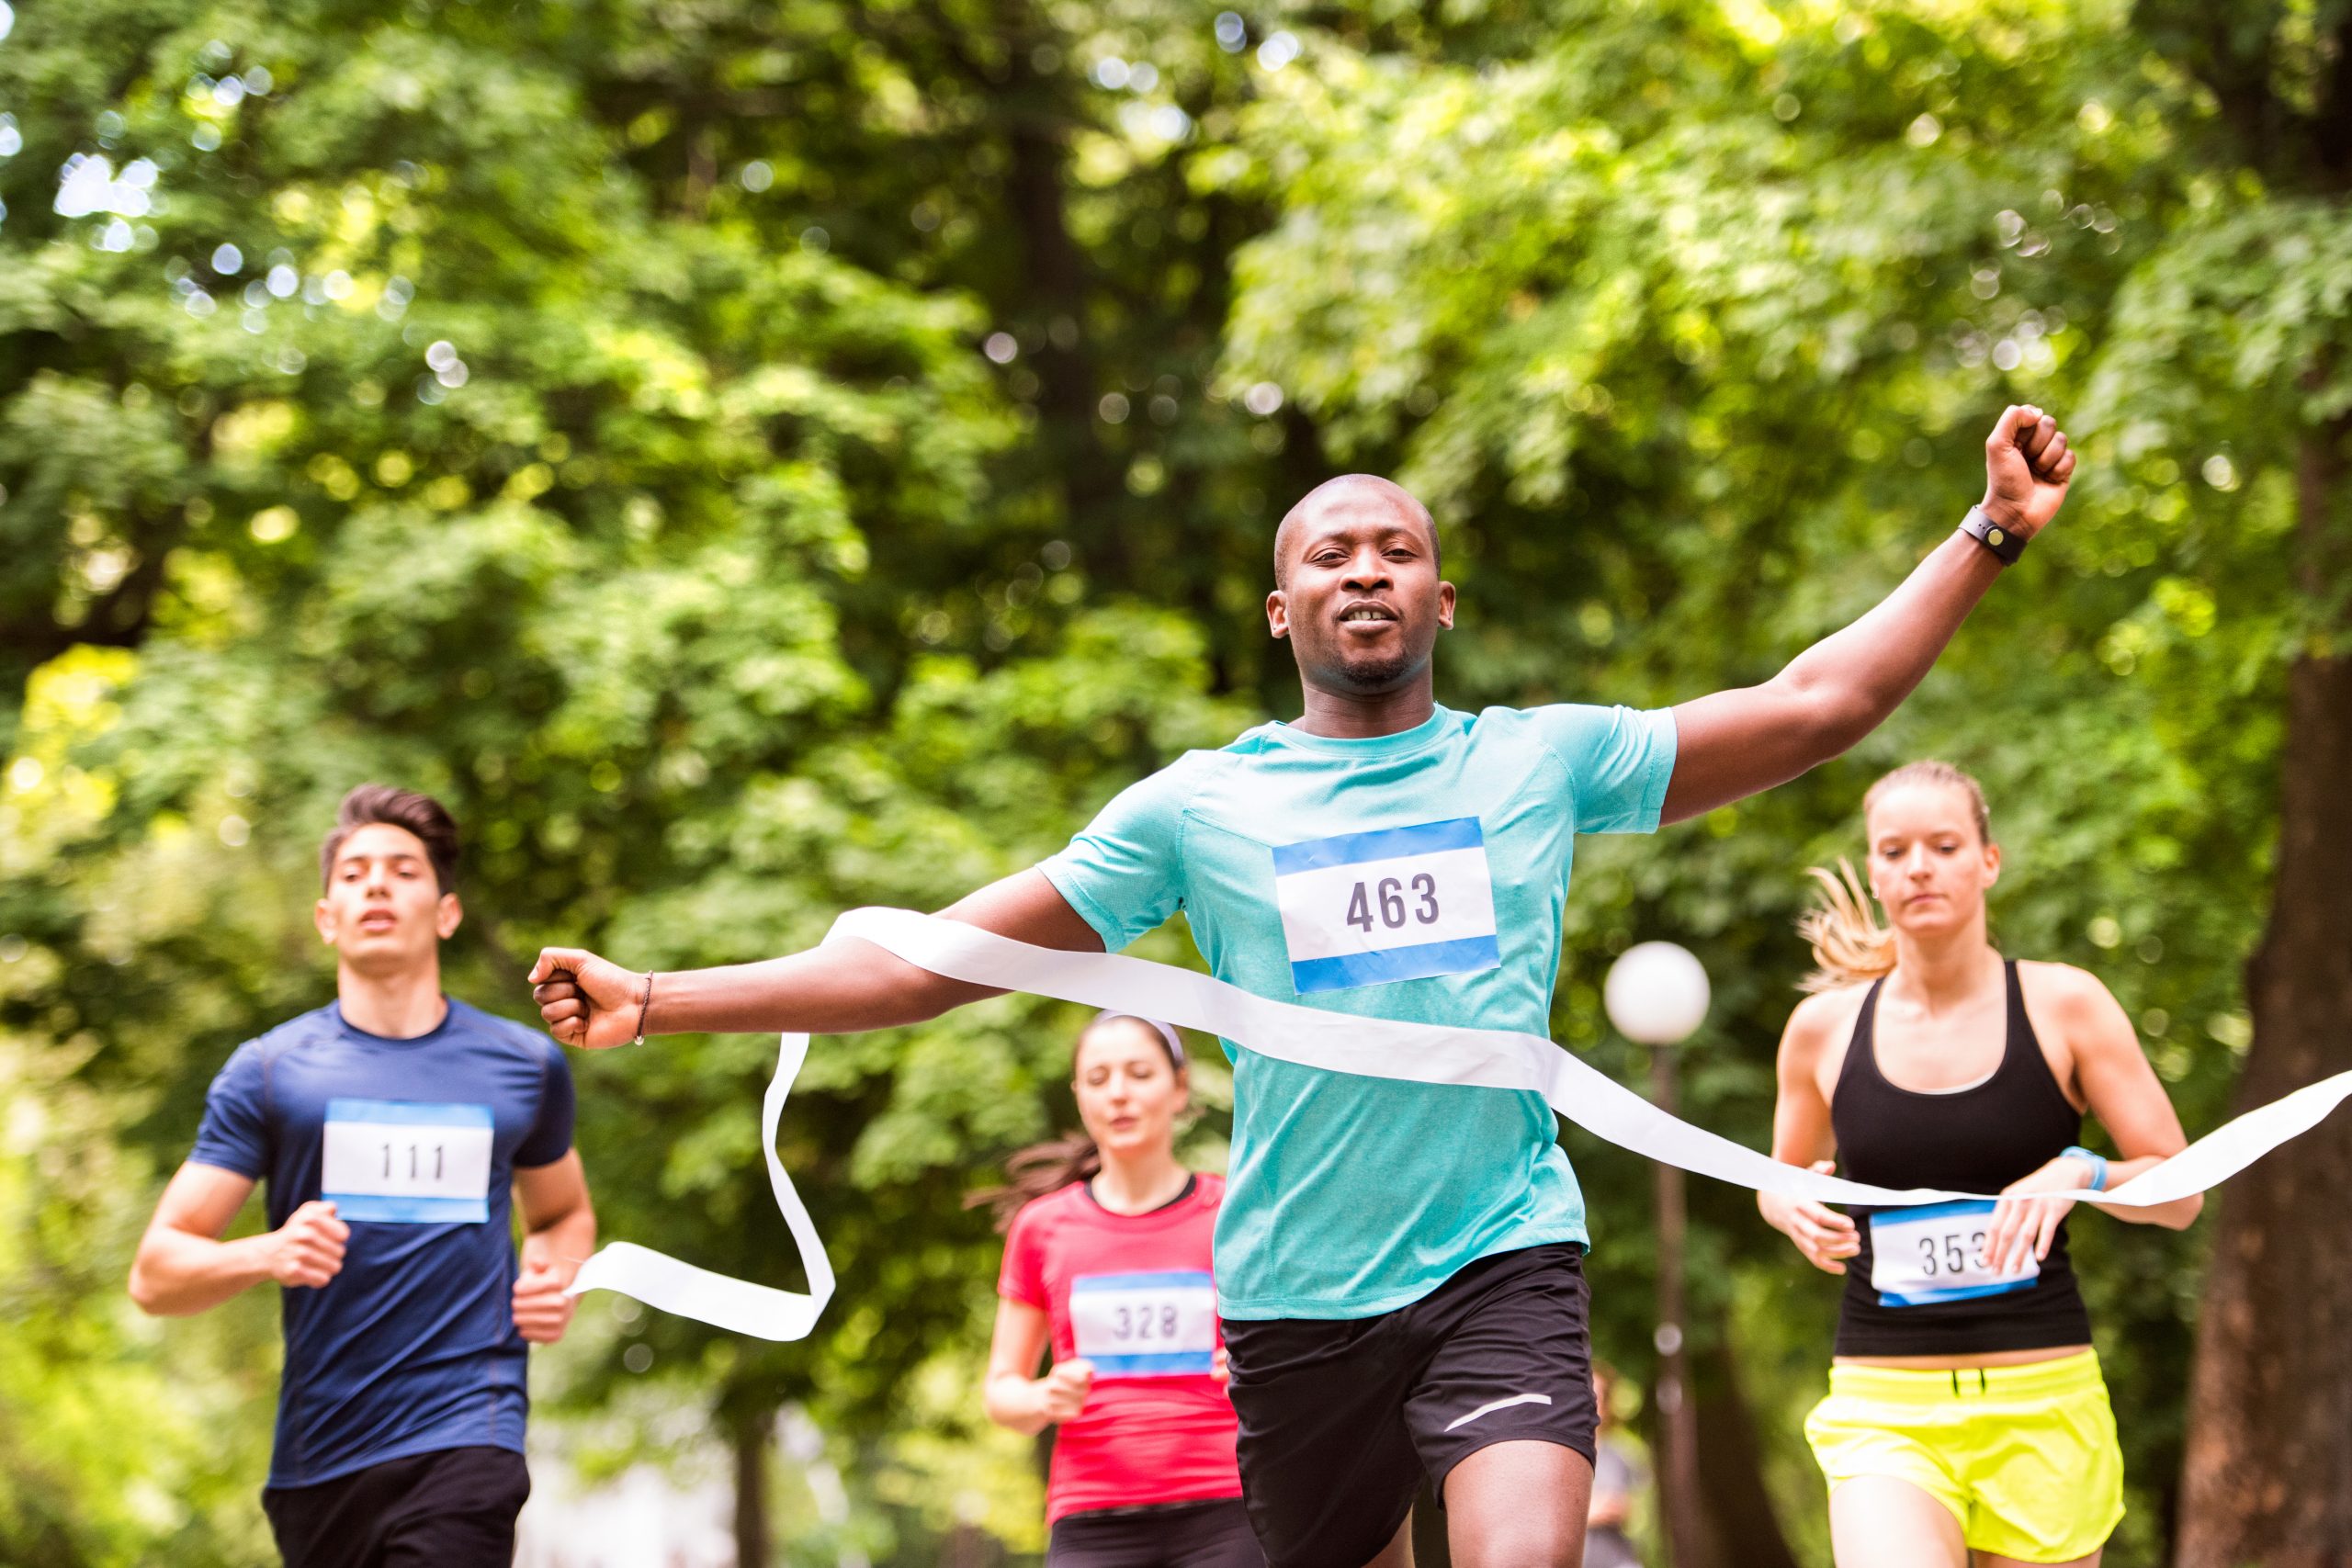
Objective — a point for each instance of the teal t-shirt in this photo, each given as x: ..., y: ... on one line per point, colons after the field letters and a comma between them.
x: 1418, y: 876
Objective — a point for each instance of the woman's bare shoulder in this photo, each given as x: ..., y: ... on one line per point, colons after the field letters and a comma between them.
x: 2075, y: 994
x: 2077, y: 1003
x: 1824, y: 1019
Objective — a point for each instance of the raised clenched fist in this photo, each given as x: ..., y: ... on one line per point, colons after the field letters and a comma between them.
x: 585, y: 1000
x: 2026, y: 468
x: 307, y: 1248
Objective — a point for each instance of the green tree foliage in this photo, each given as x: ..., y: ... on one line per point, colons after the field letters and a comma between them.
x: 413, y: 422
x: 78, y: 1360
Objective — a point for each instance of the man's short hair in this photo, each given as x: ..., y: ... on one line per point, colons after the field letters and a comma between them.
x: 1297, y: 513
x: 405, y: 809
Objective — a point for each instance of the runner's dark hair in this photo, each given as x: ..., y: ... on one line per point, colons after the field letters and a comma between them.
x: 405, y: 809
x: 1050, y: 1165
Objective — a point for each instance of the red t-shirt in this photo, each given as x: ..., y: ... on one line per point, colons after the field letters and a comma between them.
x: 1134, y: 1294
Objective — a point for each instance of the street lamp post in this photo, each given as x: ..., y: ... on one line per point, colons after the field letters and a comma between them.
x: 1657, y: 996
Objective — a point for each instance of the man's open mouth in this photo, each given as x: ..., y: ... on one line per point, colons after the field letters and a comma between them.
x: 1366, y: 612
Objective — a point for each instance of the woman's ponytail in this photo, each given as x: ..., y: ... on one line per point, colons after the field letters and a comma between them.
x: 1848, y: 945
x: 1038, y: 1170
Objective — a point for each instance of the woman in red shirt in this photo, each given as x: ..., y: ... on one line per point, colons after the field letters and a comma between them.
x: 1106, y: 1258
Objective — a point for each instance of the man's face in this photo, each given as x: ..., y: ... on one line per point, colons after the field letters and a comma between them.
x: 1361, y: 604
x: 383, y: 911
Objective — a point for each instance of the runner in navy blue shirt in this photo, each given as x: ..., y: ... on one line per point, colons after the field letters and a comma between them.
x: 396, y: 1129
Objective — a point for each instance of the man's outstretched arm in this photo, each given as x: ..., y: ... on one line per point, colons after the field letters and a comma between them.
x: 838, y: 989
x: 1734, y: 744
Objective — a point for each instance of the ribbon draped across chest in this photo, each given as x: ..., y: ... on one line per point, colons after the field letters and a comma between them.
x: 1339, y: 1042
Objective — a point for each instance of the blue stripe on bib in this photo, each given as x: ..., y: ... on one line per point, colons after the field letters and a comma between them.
x: 1381, y: 843
x: 1395, y: 964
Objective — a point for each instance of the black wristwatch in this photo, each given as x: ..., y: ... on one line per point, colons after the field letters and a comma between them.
x: 2005, y: 543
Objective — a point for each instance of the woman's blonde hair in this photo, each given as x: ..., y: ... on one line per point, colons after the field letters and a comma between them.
x: 1848, y: 945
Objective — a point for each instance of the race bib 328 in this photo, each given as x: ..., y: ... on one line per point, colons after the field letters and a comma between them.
x: 1393, y: 904
x: 1157, y: 1324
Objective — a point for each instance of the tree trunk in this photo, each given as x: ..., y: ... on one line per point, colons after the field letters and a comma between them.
x: 966, y: 1545
x: 1055, y: 290
x: 752, y: 1436
x: 1691, y: 1540
x: 1731, y: 1465
x: 2268, y: 1476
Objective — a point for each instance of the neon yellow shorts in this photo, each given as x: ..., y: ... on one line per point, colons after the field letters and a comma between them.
x: 2024, y: 1457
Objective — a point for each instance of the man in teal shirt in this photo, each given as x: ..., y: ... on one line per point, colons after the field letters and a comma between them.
x: 1398, y: 1264
x: 1416, y: 876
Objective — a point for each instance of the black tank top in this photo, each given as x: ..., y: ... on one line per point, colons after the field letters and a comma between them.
x: 1977, y: 1139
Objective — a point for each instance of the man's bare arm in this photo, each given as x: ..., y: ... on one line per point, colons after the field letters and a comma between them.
x: 838, y: 989
x: 558, y: 1233
x: 558, y: 1220
x: 1732, y: 744
x: 183, y: 1267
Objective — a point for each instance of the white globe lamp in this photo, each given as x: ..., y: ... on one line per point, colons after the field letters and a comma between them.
x: 1656, y: 993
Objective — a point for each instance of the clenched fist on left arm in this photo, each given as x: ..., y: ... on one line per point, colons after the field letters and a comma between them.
x: 542, y: 1310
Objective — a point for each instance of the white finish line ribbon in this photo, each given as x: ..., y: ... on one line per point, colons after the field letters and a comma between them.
x: 761, y: 1311
x: 1342, y: 1043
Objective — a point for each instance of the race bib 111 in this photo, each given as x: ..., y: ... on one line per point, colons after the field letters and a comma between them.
x: 1159, y: 1324
x: 1393, y: 904
x: 399, y: 1162
x: 1936, y: 1253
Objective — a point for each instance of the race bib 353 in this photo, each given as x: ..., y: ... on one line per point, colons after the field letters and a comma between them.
x: 399, y: 1162
x: 1159, y: 1324
x: 1393, y: 904
x: 1936, y: 1253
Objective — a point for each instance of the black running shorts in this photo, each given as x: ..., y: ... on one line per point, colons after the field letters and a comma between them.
x: 451, y: 1509
x: 1214, y: 1534
x: 1341, y: 1420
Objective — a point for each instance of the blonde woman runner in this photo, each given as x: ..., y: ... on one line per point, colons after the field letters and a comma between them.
x: 1966, y: 1422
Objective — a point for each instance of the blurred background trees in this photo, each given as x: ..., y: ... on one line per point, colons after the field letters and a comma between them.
x: 757, y: 459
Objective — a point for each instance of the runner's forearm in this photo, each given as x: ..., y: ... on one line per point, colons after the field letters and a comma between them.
x: 1734, y: 744
x: 1857, y: 676
x: 2177, y: 1215
x: 561, y: 1244
x: 839, y: 988
x: 177, y: 1275
x: 1016, y: 1403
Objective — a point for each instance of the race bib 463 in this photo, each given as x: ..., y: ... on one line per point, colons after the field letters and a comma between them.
x: 399, y: 1162
x: 1158, y: 1324
x: 1936, y: 1253
x: 1393, y: 904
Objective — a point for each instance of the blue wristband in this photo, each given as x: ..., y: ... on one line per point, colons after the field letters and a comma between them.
x: 2097, y: 1164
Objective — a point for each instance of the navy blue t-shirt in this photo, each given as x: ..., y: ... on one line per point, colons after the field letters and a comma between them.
x: 412, y: 1349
